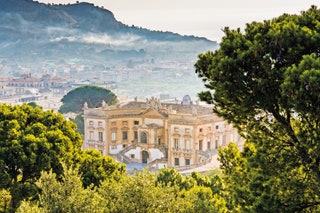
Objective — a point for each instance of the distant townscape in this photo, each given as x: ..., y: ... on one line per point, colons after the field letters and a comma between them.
x: 48, y: 50
x: 82, y: 44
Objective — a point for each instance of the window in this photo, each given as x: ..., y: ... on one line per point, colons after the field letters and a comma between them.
x: 113, y: 147
x: 200, y: 145
x: 181, y: 144
x: 132, y: 156
x: 187, y: 162
x: 217, y: 126
x: 159, y: 141
x: 143, y: 137
x: 136, y: 122
x: 100, y: 136
x: 124, y: 135
x: 176, y: 162
x: 135, y: 135
x: 90, y: 135
x: 187, y: 144
x: 113, y: 136
x: 176, y: 143
x: 200, y: 130
x: 209, y: 144
x: 217, y: 142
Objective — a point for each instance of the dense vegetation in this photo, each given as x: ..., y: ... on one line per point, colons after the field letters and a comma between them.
x: 93, y: 96
x: 33, y: 141
x: 74, y: 100
x: 142, y: 192
x: 266, y: 81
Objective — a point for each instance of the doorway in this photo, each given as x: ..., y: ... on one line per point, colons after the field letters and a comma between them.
x: 145, y: 156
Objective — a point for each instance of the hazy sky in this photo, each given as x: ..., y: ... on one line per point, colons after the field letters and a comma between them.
x: 203, y: 18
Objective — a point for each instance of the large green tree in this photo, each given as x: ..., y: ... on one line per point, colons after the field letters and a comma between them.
x: 141, y: 192
x: 74, y: 100
x: 265, y: 81
x: 33, y: 140
x: 66, y: 195
x: 95, y: 168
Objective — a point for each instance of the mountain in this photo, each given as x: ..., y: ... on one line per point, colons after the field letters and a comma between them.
x: 33, y: 32
x: 85, y: 44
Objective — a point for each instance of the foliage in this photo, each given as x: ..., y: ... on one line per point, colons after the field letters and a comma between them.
x: 74, y: 100
x: 79, y: 121
x: 5, y: 199
x: 66, y: 195
x: 169, y: 177
x: 95, y: 168
x: 265, y: 81
x: 33, y: 104
x: 137, y: 193
x: 33, y: 140
x: 201, y: 199
x: 146, y: 192
x: 127, y: 193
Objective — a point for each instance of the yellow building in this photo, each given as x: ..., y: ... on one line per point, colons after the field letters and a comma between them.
x: 161, y: 135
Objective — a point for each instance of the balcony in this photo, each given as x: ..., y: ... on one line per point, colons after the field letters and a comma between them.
x: 185, y: 152
x: 176, y: 151
x: 94, y: 142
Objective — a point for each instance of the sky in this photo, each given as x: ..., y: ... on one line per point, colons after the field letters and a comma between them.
x: 203, y: 18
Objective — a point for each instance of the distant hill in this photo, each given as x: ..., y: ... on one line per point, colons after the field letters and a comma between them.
x: 35, y: 33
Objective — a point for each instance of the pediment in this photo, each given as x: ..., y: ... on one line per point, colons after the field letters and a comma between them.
x: 152, y: 113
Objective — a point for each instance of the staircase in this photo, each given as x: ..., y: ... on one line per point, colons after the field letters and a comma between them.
x: 121, y: 157
x: 154, y: 164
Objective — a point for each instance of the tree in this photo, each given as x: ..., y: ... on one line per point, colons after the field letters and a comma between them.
x: 95, y: 168
x: 74, y: 100
x: 169, y: 177
x: 80, y: 123
x: 200, y: 199
x: 33, y: 140
x: 67, y: 195
x: 265, y: 81
x: 138, y: 193
x: 33, y: 104
x: 5, y: 199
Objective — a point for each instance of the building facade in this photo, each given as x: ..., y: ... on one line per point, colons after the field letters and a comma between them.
x: 160, y: 135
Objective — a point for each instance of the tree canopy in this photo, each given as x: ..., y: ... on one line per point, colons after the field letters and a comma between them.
x: 31, y: 141
x: 67, y: 195
x: 265, y: 81
x: 140, y: 192
x: 74, y: 100
x: 95, y: 168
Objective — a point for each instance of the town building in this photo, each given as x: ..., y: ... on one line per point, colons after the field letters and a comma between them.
x: 160, y: 135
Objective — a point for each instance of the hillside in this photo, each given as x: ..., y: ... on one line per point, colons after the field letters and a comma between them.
x: 32, y: 32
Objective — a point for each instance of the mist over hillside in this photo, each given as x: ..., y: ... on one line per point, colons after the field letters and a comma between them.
x: 37, y: 35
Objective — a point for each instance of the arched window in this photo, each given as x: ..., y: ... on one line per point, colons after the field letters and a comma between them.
x: 143, y: 137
